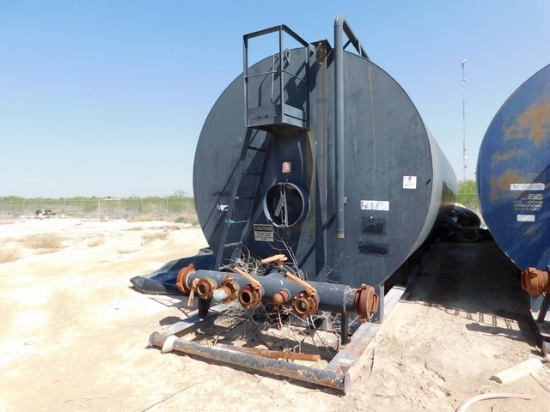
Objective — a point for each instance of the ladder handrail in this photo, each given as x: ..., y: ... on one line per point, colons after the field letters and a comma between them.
x: 281, y: 29
x: 352, y: 39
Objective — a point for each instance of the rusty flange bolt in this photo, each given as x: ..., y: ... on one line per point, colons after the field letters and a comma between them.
x: 205, y: 288
x: 366, y: 302
x: 535, y: 282
x: 305, y: 304
x: 181, y: 279
x: 250, y: 296
x: 281, y: 297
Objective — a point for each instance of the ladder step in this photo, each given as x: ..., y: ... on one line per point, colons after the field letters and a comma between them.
x: 232, y: 244
x: 234, y: 222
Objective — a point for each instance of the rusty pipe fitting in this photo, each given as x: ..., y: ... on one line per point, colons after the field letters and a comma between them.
x: 535, y: 281
x: 305, y: 304
x: 183, y: 275
x: 250, y: 296
x: 281, y: 297
x: 205, y: 288
x: 366, y: 302
x: 227, y: 291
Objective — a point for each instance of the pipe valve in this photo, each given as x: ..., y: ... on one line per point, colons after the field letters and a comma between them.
x: 366, y: 302
x: 535, y: 281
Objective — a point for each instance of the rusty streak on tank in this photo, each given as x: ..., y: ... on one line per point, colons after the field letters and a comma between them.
x: 532, y: 124
x: 510, y: 154
x: 502, y: 183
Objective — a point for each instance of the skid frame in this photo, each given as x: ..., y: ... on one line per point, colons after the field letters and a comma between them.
x: 336, y: 375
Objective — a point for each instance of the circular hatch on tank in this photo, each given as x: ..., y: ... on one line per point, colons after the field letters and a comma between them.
x: 285, y: 205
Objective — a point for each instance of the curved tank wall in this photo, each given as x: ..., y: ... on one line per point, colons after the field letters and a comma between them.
x: 513, y: 173
x: 397, y: 181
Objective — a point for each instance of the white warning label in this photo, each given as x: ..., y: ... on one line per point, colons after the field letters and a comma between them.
x: 409, y: 182
x: 526, y: 218
x: 263, y: 233
x: 527, y: 186
x: 528, y: 202
x: 375, y: 205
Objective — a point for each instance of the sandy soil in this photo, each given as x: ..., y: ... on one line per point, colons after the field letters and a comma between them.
x: 74, y: 333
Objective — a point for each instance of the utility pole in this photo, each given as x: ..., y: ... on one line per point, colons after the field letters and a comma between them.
x: 464, y: 157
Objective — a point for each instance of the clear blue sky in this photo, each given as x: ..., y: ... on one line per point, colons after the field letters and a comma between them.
x: 107, y: 98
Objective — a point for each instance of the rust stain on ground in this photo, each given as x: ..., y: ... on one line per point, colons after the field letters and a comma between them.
x: 533, y: 124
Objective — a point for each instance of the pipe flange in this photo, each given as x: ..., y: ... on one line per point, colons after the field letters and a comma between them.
x: 305, y: 304
x: 366, y: 302
x: 535, y: 282
x: 229, y: 290
x: 205, y: 288
x: 250, y: 296
x: 181, y: 279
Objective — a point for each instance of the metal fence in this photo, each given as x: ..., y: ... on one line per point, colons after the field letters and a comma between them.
x: 181, y: 209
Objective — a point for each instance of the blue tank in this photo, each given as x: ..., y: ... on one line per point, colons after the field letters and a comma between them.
x: 513, y: 173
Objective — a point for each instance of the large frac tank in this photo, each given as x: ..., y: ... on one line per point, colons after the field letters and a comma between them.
x: 315, y: 180
x: 317, y: 153
x: 513, y: 174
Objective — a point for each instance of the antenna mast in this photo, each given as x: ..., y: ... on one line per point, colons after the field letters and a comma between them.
x: 464, y: 157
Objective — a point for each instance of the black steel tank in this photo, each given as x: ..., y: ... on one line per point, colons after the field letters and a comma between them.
x: 317, y: 153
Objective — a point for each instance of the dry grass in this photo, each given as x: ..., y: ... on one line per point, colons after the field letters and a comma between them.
x: 9, y: 254
x: 163, y: 227
x: 126, y: 251
x: 47, y: 243
x: 144, y: 218
x: 150, y: 236
x: 170, y: 227
x: 96, y: 241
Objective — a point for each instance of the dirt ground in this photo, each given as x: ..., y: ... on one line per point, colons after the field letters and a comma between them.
x: 74, y: 333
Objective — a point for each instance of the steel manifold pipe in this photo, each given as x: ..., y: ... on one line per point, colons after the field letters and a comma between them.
x: 279, y: 289
x: 323, y: 377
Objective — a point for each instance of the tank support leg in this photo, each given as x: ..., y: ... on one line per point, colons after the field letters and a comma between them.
x: 379, y: 316
x: 540, y: 321
x: 344, y: 328
x: 204, y: 307
x: 543, y: 308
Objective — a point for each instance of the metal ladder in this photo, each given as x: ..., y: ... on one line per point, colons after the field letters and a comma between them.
x: 239, y: 211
